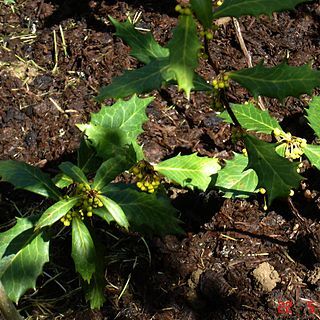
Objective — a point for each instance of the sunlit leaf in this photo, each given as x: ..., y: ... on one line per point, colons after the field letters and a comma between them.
x: 252, y: 118
x: 22, y: 256
x: 73, y: 172
x: 83, y: 250
x: 234, y: 180
x: 61, y: 180
x: 189, y: 171
x: 184, y: 47
x: 312, y: 152
x: 143, y: 46
x: 313, y: 113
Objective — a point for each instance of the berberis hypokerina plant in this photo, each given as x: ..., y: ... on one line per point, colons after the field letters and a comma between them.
x: 87, y: 191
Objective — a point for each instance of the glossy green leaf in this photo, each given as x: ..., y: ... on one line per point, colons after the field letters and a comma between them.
x: 189, y: 171
x: 62, y: 181
x: 276, y: 174
x: 22, y: 256
x: 141, y: 80
x: 201, y: 84
x: 115, y: 210
x: 104, y: 214
x: 143, y: 46
x: 147, y: 213
x: 278, y: 82
x: 234, y: 180
x: 312, y: 152
x: 128, y: 116
x: 109, y: 170
x: 95, y: 289
x: 203, y: 12
x: 87, y: 159
x: 25, y: 176
x: 313, y: 113
x: 83, y: 250
x: 108, y: 142
x: 238, y: 8
x: 252, y: 118
x: 184, y: 47
x: 56, y: 211
x: 73, y: 172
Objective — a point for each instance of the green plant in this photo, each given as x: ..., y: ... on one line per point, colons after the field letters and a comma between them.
x: 85, y: 192
x: 175, y: 64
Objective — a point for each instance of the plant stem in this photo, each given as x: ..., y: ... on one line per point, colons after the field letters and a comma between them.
x: 7, y: 308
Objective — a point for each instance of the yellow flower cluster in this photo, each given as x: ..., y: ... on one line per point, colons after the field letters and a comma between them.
x: 87, y: 203
x: 186, y: 11
x: 293, y: 146
x: 221, y: 82
x: 219, y: 3
x: 146, y: 178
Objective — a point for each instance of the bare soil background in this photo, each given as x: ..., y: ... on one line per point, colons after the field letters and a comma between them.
x: 208, y: 272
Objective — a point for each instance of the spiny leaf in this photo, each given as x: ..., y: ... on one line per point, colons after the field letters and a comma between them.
x: 143, y: 46
x: 108, y: 142
x: 147, y: 213
x: 73, y: 172
x: 184, y: 47
x: 252, y: 118
x: 83, y: 250
x: 312, y: 152
x: 115, y: 210
x: 56, y: 211
x: 24, y: 176
x: 128, y: 116
x: 137, y: 81
x: 189, y: 171
x: 313, y: 115
x: 276, y: 174
x: 109, y: 170
x: 203, y: 11
x: 234, y: 180
x: 278, y: 82
x: 25, y: 253
x: 238, y: 8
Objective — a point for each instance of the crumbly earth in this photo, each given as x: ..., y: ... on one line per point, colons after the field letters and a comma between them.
x: 207, y: 273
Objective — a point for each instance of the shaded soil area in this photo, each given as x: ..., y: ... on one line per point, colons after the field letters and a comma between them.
x: 236, y: 261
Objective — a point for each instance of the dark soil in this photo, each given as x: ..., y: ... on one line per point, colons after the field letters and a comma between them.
x: 208, y: 273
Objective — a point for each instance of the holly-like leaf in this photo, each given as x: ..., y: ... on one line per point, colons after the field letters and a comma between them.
x: 278, y: 82
x: 189, y: 171
x: 147, y: 213
x: 22, y: 256
x: 83, y: 250
x: 62, y: 181
x: 234, y: 180
x: 115, y: 211
x: 141, y: 80
x: 312, y: 152
x: 313, y: 115
x: 203, y: 11
x: 73, y: 172
x: 184, y: 47
x: 143, y: 46
x: 238, y: 8
x: 108, y: 142
x: 128, y: 116
x: 276, y: 174
x: 25, y: 176
x: 109, y: 170
x: 56, y: 211
x: 252, y: 118
x: 87, y: 158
